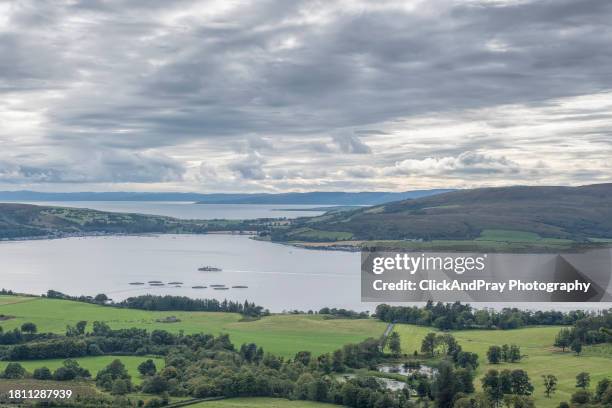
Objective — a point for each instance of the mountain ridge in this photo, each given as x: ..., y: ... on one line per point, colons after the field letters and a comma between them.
x: 576, y: 213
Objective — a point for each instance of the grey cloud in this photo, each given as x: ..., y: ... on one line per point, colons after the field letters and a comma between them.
x: 341, y: 142
x: 292, y: 174
x: 225, y: 77
x: 94, y: 167
x: 250, y: 167
x: 131, y: 77
x: 349, y: 143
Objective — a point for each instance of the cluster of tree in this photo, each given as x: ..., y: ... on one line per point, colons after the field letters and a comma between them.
x: 447, y: 346
x: 594, y: 329
x: 496, y: 384
x: 70, y: 370
x: 168, y: 302
x: 457, y: 316
x: 506, y: 353
x: 27, y: 332
x: 100, y: 298
x: 114, y: 378
x: 101, y: 340
x: 344, y: 313
x: 152, y: 302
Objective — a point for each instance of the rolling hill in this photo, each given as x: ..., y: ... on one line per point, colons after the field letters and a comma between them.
x: 18, y: 221
x: 571, y: 213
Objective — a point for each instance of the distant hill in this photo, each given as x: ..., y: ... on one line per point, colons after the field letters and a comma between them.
x: 316, y: 198
x: 320, y: 198
x: 19, y: 221
x: 576, y: 213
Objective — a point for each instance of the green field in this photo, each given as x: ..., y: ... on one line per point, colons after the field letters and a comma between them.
x: 520, y: 236
x: 310, y: 234
x: 283, y: 335
x: 540, y: 357
x: 93, y: 364
x: 261, y: 403
x: 545, y: 244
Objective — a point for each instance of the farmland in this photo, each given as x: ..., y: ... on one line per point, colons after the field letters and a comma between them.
x: 539, y: 356
x: 93, y: 364
x: 261, y: 403
x: 283, y: 335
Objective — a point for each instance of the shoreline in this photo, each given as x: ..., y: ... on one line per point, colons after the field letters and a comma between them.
x: 119, y: 234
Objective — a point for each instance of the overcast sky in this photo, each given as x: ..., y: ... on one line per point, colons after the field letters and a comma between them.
x: 303, y: 95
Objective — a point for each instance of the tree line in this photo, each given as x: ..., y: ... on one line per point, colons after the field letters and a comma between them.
x: 458, y: 316
x: 169, y: 302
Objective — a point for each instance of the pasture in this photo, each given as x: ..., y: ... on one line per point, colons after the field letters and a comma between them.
x: 93, y: 364
x: 540, y: 357
x: 260, y: 402
x: 283, y: 335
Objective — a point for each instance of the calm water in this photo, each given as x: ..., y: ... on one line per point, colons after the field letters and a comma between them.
x: 278, y: 277
x: 190, y: 210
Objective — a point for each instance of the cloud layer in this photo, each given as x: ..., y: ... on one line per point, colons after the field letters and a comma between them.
x: 303, y: 95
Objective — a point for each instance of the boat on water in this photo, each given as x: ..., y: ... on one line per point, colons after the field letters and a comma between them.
x: 198, y: 287
x: 221, y: 288
x: 240, y: 287
x: 136, y: 283
x: 155, y: 281
x: 209, y: 269
x: 217, y: 286
x: 157, y: 284
x: 175, y: 283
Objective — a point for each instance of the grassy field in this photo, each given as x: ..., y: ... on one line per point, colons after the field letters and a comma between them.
x: 93, y: 364
x: 260, y: 403
x: 540, y: 357
x: 318, y: 235
x: 489, y: 240
x: 283, y: 335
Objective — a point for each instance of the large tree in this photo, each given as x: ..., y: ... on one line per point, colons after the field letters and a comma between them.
x: 395, y: 344
x: 445, y: 386
x: 494, y: 354
x: 550, y: 384
x: 29, y: 328
x: 428, y: 345
x: 583, y: 380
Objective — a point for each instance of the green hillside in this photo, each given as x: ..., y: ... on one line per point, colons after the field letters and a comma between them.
x: 287, y: 334
x: 26, y: 221
x: 283, y: 335
x: 528, y: 213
